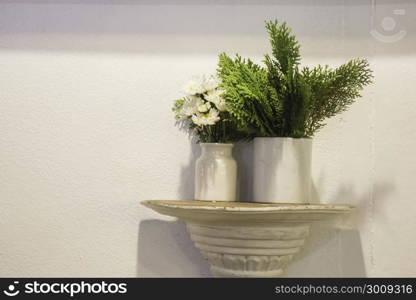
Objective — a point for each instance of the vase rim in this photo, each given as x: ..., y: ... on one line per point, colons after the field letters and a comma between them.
x: 282, y: 137
x: 217, y: 144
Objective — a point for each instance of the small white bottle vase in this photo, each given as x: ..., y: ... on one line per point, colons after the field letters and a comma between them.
x: 216, y: 173
x: 282, y: 170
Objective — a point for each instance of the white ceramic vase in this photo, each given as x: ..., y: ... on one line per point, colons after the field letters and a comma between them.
x: 216, y: 173
x: 282, y: 170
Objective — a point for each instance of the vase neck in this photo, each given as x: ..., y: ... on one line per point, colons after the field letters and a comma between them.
x: 216, y: 149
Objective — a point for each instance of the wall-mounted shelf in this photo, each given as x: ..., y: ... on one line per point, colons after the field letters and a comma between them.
x: 241, y: 239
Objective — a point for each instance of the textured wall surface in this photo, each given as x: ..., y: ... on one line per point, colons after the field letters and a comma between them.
x: 86, y: 132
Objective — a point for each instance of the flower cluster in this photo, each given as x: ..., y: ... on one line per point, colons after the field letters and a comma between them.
x: 203, y: 104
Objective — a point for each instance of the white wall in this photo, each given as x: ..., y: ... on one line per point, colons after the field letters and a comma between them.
x: 86, y: 132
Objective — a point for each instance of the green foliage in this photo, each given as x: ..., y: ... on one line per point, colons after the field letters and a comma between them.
x: 224, y: 131
x: 282, y: 99
x: 248, y: 94
x: 285, y: 47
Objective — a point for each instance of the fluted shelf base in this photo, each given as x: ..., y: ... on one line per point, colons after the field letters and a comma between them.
x: 247, y: 239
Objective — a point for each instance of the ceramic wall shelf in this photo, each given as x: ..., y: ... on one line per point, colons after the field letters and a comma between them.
x: 247, y: 239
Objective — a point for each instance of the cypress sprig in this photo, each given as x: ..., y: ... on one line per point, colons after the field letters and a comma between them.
x: 283, y: 100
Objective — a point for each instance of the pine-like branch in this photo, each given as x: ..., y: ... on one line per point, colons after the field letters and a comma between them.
x: 281, y: 100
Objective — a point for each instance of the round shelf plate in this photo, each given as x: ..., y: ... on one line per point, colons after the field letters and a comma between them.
x: 245, y: 212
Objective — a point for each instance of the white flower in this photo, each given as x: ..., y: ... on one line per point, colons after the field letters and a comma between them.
x: 203, y: 106
x: 195, y: 86
x: 221, y: 105
x: 201, y: 84
x: 209, y: 118
x: 189, y: 107
x: 211, y: 82
x: 215, y: 96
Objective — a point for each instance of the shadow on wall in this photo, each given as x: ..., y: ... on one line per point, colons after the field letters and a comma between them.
x: 192, y: 2
x: 178, y: 26
x: 243, y: 153
x: 329, y: 252
x: 166, y: 250
x: 368, y: 204
x: 187, y: 173
x: 335, y: 249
